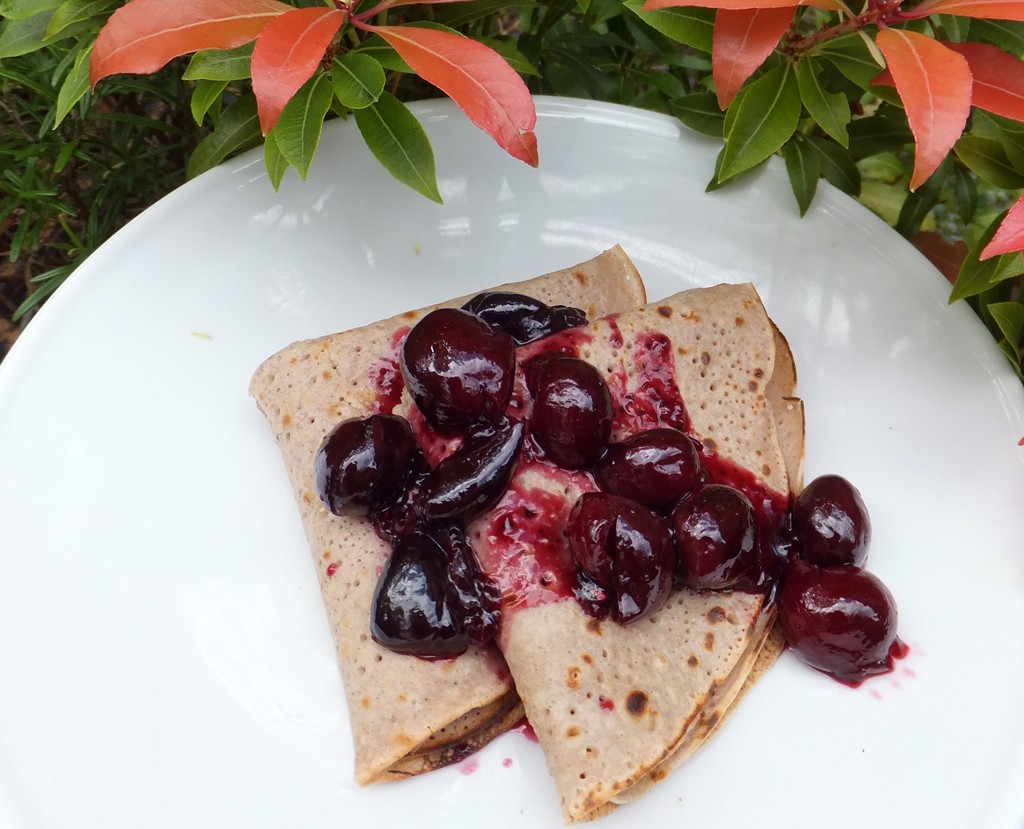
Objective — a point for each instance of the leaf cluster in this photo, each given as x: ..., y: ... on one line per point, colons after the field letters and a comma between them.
x: 805, y: 83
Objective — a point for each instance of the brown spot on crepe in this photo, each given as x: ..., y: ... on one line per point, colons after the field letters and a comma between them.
x: 573, y: 731
x: 307, y: 498
x: 636, y: 703
x: 409, y: 315
x: 588, y: 659
x: 752, y: 385
x: 709, y: 641
x: 693, y: 661
x: 287, y: 420
x: 740, y: 322
x: 759, y: 373
x: 766, y: 470
x: 572, y: 679
x: 712, y: 721
x: 710, y: 445
x: 705, y: 358
x: 366, y: 702
x: 594, y: 626
x: 326, y: 555
x: 665, y: 311
x: 581, y: 277
x: 716, y: 614
x: 327, y: 374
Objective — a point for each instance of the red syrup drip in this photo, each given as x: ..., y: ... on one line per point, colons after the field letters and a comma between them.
x: 524, y: 728
x: 332, y: 568
x: 615, y: 339
x: 386, y: 375
x: 1020, y: 442
x: 605, y: 703
x: 507, y: 763
x: 656, y: 400
x: 899, y: 650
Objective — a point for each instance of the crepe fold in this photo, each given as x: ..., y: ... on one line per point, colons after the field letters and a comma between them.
x: 616, y: 707
x: 407, y: 715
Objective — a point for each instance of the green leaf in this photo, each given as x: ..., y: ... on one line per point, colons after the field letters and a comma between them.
x: 837, y: 165
x: 274, y: 161
x: 850, y: 55
x: 830, y: 109
x: 24, y: 9
x: 987, y: 158
x: 380, y: 51
x: 358, y: 80
x: 804, y: 167
x: 19, y: 37
x: 965, y: 190
x: 74, y: 87
x: 951, y: 27
x: 399, y: 143
x: 976, y: 276
x: 688, y: 25
x: 220, y: 64
x: 238, y: 129
x: 1009, y: 316
x: 513, y: 57
x: 884, y: 132
x: 71, y: 12
x: 1008, y: 35
x: 922, y: 201
x: 205, y: 96
x: 297, y: 132
x: 700, y: 112
x: 766, y: 117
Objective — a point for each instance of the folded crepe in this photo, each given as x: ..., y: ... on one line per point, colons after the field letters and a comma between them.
x: 407, y: 715
x: 616, y: 707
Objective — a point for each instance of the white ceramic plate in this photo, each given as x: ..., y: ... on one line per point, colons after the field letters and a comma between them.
x: 164, y: 660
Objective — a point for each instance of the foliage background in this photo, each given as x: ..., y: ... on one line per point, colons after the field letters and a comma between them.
x: 76, y: 164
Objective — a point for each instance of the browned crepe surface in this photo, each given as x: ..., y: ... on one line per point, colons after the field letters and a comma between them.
x: 616, y: 707
x: 408, y: 715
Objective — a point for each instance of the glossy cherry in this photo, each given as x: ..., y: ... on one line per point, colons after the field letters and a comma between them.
x: 716, y: 535
x: 473, y: 478
x: 416, y: 609
x: 365, y: 464
x: 625, y: 555
x: 458, y: 369
x: 656, y: 468
x: 478, y: 596
x: 831, y: 522
x: 523, y: 318
x: 572, y: 412
x: 839, y: 620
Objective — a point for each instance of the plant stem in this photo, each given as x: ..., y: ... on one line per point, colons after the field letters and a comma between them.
x: 879, y: 13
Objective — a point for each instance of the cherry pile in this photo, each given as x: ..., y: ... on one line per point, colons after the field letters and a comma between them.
x: 659, y: 520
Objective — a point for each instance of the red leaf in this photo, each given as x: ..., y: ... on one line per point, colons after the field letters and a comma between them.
x: 934, y: 84
x: 477, y: 78
x: 1010, y: 236
x: 998, y: 79
x: 743, y: 39
x: 654, y: 5
x: 143, y: 35
x: 995, y: 9
x: 286, y: 55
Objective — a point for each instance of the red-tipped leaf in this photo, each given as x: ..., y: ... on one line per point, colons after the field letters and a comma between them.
x: 654, y: 5
x: 1010, y: 236
x: 743, y: 39
x: 993, y: 9
x: 143, y: 35
x: 286, y: 55
x: 477, y: 78
x: 998, y: 79
x: 934, y: 84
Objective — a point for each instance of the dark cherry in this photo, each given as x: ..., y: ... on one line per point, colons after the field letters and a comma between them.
x: 479, y: 597
x: 839, y: 620
x: 457, y: 369
x: 365, y: 464
x: 716, y: 535
x: 473, y: 478
x: 625, y: 554
x: 416, y: 609
x: 523, y: 318
x: 831, y: 522
x: 656, y: 468
x: 572, y: 412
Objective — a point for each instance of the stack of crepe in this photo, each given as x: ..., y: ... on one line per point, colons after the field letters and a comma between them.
x: 615, y: 707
